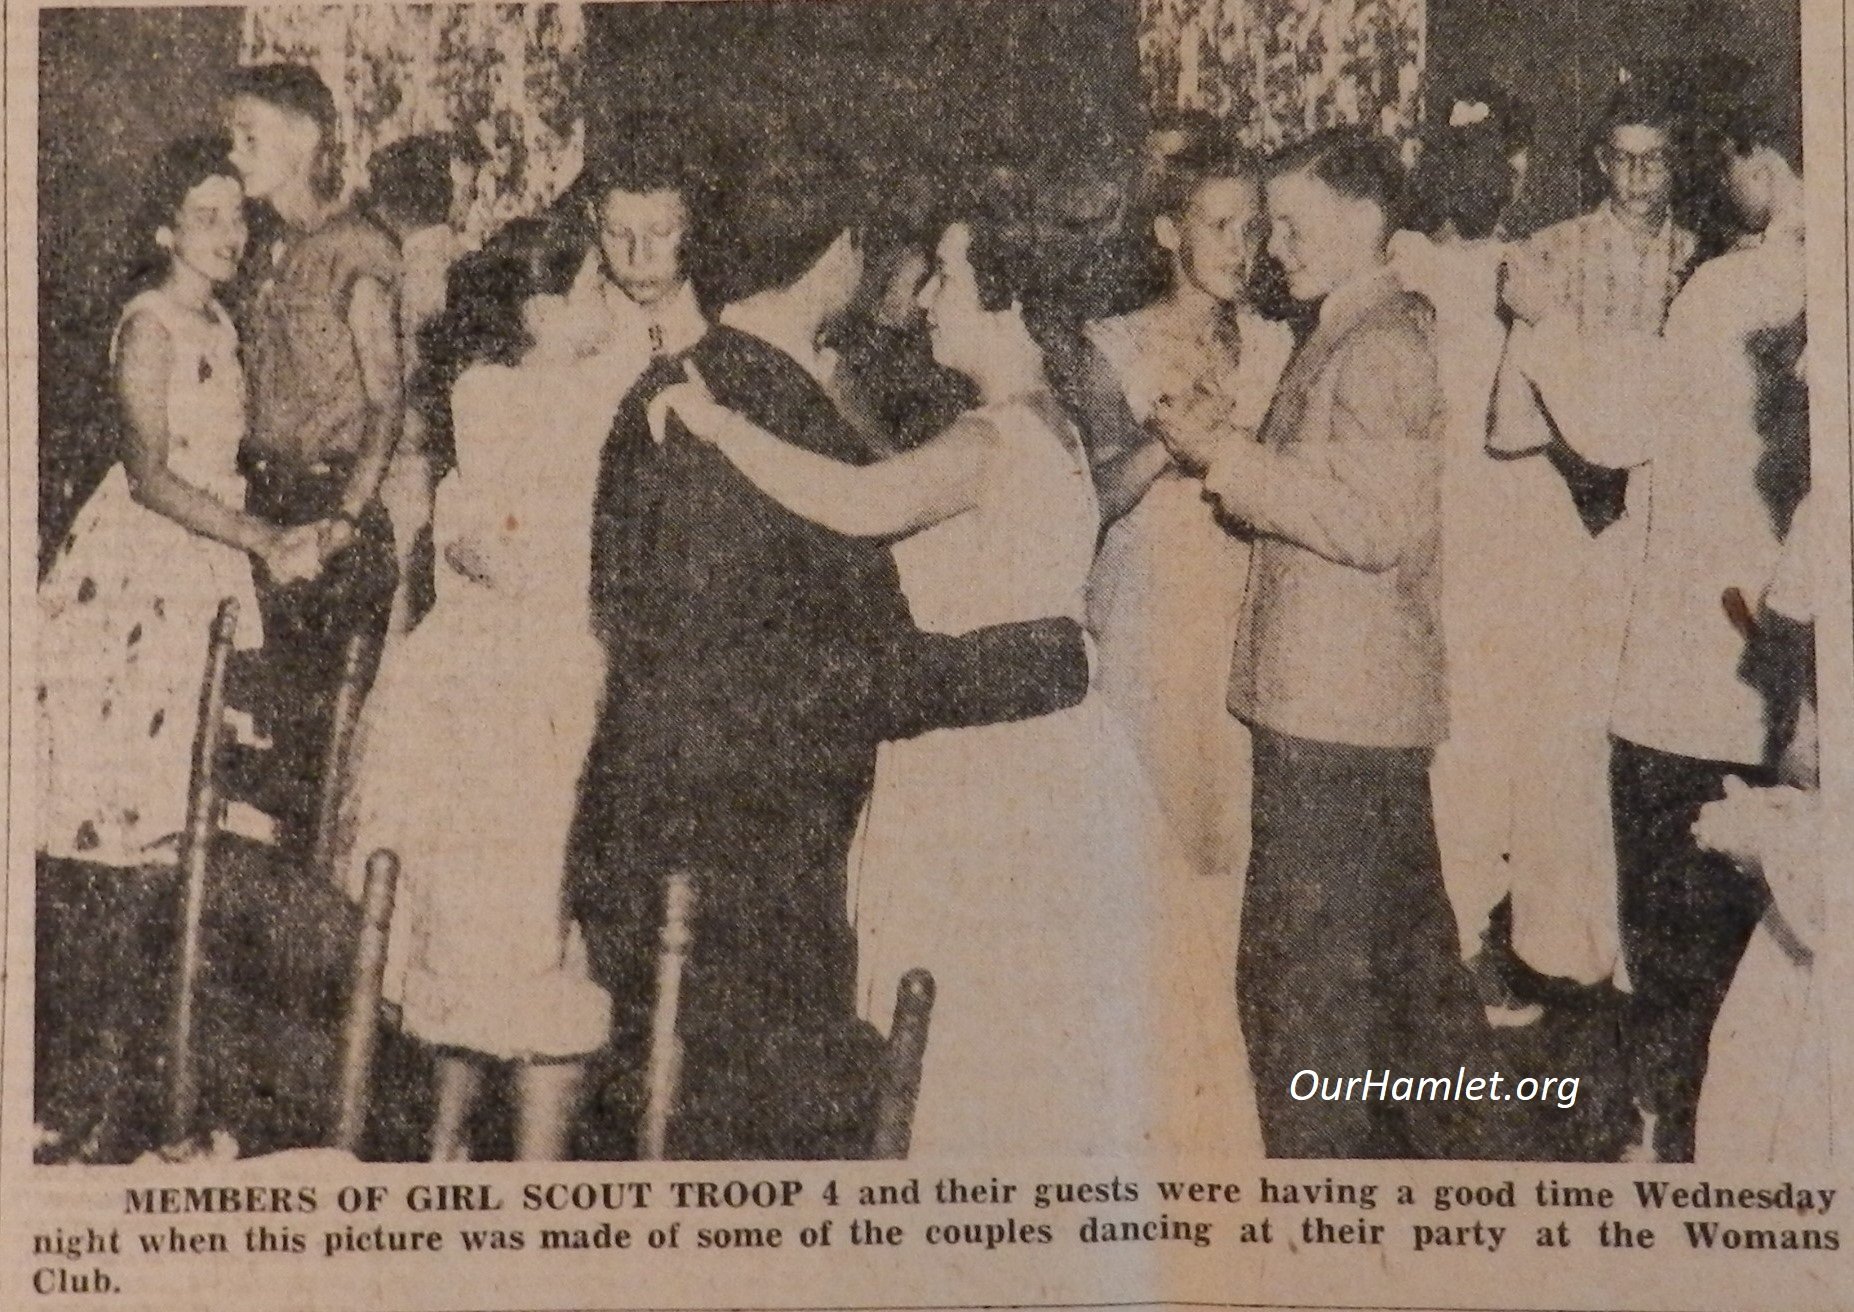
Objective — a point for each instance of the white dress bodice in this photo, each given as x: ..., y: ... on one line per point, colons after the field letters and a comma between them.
x: 528, y: 446
x: 1462, y: 281
x: 1023, y: 551
x: 205, y: 392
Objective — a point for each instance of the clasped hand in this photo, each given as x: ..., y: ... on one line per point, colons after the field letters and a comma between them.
x: 1192, y: 427
x: 298, y: 554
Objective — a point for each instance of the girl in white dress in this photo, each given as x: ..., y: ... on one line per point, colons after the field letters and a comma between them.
x: 1081, y: 1009
x: 1465, y: 180
x: 1168, y: 584
x: 489, y: 705
x: 131, y: 592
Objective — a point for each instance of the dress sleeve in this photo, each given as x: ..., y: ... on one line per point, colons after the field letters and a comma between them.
x: 1608, y: 395
x: 1734, y: 296
x: 1537, y: 272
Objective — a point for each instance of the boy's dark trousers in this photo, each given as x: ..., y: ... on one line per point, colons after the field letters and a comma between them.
x: 1349, y: 961
x: 307, y: 624
x: 1687, y: 915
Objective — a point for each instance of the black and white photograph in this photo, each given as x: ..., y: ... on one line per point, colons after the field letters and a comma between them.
x: 977, y: 581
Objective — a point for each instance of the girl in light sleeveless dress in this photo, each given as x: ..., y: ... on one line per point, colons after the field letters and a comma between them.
x: 1462, y: 185
x: 1167, y: 587
x: 1508, y: 532
x: 1474, y: 775
x: 1081, y: 1008
x: 478, y: 726
x: 131, y: 592
x: 125, y: 611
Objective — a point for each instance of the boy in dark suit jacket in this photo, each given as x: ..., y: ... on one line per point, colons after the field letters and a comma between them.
x: 756, y: 663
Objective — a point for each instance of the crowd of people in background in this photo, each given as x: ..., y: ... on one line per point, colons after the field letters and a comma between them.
x: 1088, y: 586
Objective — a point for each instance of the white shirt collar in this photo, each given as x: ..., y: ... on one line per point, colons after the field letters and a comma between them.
x: 1606, y: 213
x: 667, y: 327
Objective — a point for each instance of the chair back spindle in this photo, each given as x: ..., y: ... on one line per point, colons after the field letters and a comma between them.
x: 349, y: 696
x: 204, y: 804
x: 663, y: 1075
x: 899, y: 1083
x: 361, y: 1028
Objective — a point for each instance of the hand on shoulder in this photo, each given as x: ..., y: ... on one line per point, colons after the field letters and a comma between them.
x: 691, y: 402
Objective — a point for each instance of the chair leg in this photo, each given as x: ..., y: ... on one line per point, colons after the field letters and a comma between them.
x: 898, y: 1084
x: 664, y: 1073
x: 361, y: 1029
x: 203, y: 806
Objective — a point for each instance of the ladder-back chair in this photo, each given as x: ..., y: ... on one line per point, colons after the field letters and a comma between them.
x: 206, y: 803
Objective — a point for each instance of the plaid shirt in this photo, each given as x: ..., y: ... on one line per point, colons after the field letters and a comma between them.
x: 1593, y: 268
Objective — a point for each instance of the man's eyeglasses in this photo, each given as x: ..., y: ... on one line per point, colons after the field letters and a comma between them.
x: 1652, y: 162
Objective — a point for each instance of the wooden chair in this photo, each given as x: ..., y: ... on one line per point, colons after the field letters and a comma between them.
x: 897, y: 1078
x: 206, y: 804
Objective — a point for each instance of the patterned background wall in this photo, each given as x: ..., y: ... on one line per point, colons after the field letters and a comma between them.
x: 512, y: 73
x: 1283, y: 68
x: 509, y: 73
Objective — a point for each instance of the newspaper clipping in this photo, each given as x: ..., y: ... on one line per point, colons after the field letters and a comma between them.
x: 878, y: 654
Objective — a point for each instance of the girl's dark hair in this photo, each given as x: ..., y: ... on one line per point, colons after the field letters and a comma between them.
x: 1006, y: 261
x: 1465, y: 177
x: 1749, y: 125
x: 482, y: 322
x: 299, y: 90
x: 176, y: 171
x: 906, y: 211
x: 771, y: 223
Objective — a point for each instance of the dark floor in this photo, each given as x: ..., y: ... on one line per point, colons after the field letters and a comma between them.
x: 273, y: 994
